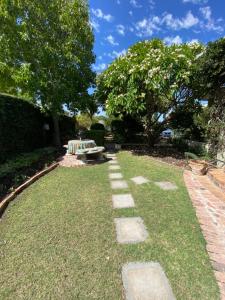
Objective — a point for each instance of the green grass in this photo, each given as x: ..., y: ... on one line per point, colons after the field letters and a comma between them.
x: 58, y: 238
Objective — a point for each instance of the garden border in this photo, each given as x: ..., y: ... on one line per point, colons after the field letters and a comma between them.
x: 5, y: 202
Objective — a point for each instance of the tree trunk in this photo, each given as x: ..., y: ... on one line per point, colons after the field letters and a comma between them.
x: 149, y: 129
x: 56, y: 134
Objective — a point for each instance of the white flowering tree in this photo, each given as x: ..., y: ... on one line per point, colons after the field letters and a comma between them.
x: 149, y: 82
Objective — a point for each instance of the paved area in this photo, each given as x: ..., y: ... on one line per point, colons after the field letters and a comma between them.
x: 119, y: 184
x: 139, y: 180
x: 70, y: 161
x: 146, y: 281
x: 166, y: 185
x: 209, y: 202
x: 130, y: 230
x: 123, y: 201
x: 114, y: 167
x: 115, y: 176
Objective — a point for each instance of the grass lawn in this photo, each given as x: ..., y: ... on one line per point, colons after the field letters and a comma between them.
x: 58, y: 238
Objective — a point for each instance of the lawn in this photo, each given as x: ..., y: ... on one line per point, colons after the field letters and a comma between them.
x: 58, y: 238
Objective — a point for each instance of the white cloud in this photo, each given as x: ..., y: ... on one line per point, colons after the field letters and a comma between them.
x: 206, y: 12
x: 211, y: 24
x: 99, y: 67
x: 147, y: 27
x: 95, y: 25
x: 130, y: 12
x: 169, y: 40
x: 98, y: 13
x: 175, y: 23
x: 116, y: 54
x: 120, y: 29
x: 135, y: 3
x: 118, y: 2
x: 111, y: 40
x: 196, y: 1
x: 152, y: 4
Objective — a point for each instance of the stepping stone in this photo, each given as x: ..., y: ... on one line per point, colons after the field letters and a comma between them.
x: 130, y: 230
x: 139, y: 180
x: 114, y: 167
x: 166, y: 185
x: 111, y: 155
x: 115, y: 176
x: 113, y: 162
x: 119, y: 184
x: 146, y: 281
x: 123, y: 201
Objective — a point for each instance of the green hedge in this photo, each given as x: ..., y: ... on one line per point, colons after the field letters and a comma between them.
x: 96, y: 135
x: 22, y: 127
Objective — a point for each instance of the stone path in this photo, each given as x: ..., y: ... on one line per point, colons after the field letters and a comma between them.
x: 123, y: 201
x: 130, y: 230
x: 146, y: 281
x: 209, y: 202
x: 139, y: 180
x: 166, y: 185
x: 142, y: 281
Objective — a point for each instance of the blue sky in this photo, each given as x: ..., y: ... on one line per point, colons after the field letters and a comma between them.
x: 120, y: 23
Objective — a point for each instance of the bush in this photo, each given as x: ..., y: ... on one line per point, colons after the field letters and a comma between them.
x: 96, y: 135
x: 15, y: 171
x: 180, y: 144
x: 21, y: 127
x: 97, y: 126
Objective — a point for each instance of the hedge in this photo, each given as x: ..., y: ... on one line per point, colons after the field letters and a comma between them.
x: 22, y: 127
x: 96, y: 135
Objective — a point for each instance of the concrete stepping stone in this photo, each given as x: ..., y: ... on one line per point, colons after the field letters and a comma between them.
x: 113, y: 162
x: 166, y: 185
x: 111, y: 155
x: 114, y: 167
x: 123, y: 201
x: 139, y: 180
x: 119, y: 184
x: 146, y: 281
x: 130, y: 230
x: 115, y: 176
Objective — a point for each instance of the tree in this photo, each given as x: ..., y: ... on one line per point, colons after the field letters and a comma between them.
x: 46, y: 52
x: 148, y: 83
x: 210, y: 79
x: 190, y: 120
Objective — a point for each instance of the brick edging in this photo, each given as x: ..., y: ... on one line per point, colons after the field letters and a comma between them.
x: 203, y: 200
x: 4, y: 203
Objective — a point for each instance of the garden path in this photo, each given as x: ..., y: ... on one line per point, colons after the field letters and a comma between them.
x: 209, y: 202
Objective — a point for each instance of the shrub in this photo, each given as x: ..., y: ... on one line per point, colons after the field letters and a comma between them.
x: 97, y: 126
x: 21, y: 127
x: 15, y: 171
x: 96, y: 135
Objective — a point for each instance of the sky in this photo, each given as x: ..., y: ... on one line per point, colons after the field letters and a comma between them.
x: 118, y: 24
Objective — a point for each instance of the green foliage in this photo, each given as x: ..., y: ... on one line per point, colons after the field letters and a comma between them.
x: 189, y: 121
x: 46, y: 52
x: 97, y: 126
x: 22, y: 127
x: 147, y: 82
x: 96, y: 135
x: 210, y: 78
x: 15, y: 171
x: 24, y: 160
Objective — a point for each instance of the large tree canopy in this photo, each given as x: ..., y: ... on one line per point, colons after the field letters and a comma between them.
x: 46, y: 52
x: 210, y: 78
x: 148, y: 82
